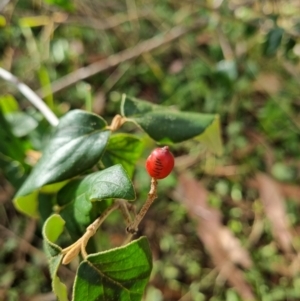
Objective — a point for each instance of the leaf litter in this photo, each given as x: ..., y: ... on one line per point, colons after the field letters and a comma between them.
x: 273, y: 203
x: 224, y: 248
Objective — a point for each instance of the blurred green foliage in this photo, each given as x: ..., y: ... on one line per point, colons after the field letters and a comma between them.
x: 243, y: 64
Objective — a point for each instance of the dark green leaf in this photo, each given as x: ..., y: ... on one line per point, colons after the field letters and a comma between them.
x: 125, y: 149
x: 46, y: 203
x: 118, y: 274
x: 13, y: 170
x: 52, y: 229
x: 170, y: 126
x: 76, y: 197
x: 290, y: 44
x: 10, y: 146
x: 273, y: 40
x: 77, y: 144
x: 251, y: 28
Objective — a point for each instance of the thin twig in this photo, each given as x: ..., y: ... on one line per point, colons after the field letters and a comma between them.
x: 92, y: 229
x: 73, y: 250
x: 125, y: 209
x: 116, y: 59
x: 132, y: 228
x: 31, y: 96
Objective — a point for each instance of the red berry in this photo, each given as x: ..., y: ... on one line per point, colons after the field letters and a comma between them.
x: 160, y: 163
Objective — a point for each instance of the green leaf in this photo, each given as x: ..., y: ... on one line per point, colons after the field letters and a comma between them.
x: 34, y: 21
x: 228, y: 68
x: 28, y: 204
x: 118, y: 274
x: 13, y: 170
x: 289, y: 44
x: 76, y: 197
x: 76, y: 145
x: 46, y: 202
x: 166, y: 125
x: 8, y: 104
x: 67, y: 5
x: 211, y: 138
x: 54, y: 188
x: 60, y: 289
x: 125, y: 149
x: 52, y: 229
x: 2, y: 21
x: 21, y: 123
x: 273, y: 40
x: 10, y: 146
x: 46, y: 85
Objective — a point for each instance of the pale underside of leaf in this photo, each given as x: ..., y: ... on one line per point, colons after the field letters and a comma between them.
x: 52, y: 229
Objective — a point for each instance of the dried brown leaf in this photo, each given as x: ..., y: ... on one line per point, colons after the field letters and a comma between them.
x: 267, y: 83
x: 176, y: 66
x: 257, y: 230
x: 232, y: 246
x: 273, y: 202
x: 223, y: 247
x: 290, y: 191
x: 99, y: 101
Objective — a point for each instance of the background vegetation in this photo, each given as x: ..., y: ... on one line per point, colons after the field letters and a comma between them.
x: 239, y: 59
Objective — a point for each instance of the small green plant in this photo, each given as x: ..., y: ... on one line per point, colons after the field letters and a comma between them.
x: 88, y: 167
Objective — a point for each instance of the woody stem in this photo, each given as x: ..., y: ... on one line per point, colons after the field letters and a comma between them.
x: 133, y: 227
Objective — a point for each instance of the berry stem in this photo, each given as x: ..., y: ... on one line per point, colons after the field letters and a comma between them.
x: 133, y: 227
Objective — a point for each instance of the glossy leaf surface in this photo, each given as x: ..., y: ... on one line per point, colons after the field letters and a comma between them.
x: 76, y: 145
x: 165, y: 125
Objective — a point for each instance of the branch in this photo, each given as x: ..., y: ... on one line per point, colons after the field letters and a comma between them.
x: 73, y: 250
x: 122, y: 56
x: 31, y: 96
x: 133, y: 227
